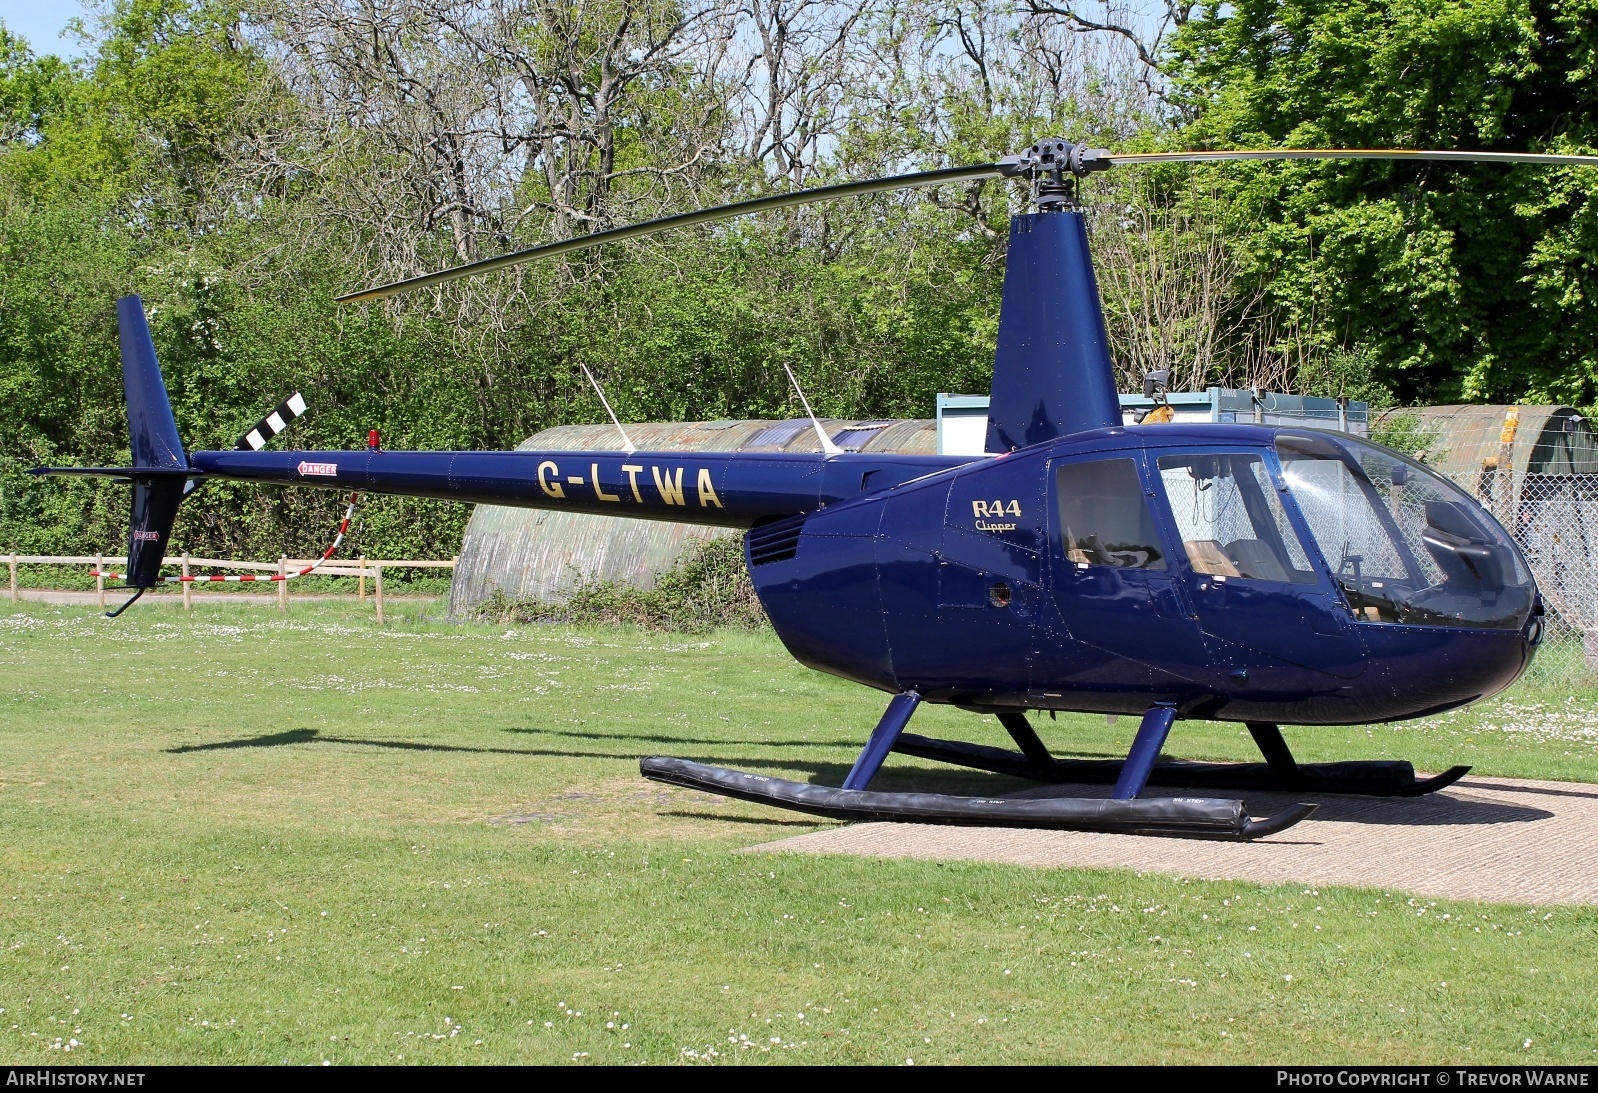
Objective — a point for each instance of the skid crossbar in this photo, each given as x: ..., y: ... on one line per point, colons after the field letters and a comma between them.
x: 1375, y: 778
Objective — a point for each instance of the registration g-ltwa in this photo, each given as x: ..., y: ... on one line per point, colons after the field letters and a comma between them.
x: 668, y: 485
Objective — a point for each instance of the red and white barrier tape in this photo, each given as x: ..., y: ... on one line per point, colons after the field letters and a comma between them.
x: 344, y: 526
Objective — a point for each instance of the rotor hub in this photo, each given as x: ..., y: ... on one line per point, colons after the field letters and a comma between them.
x: 1053, y: 166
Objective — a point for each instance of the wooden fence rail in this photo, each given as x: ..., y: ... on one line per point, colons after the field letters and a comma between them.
x: 361, y: 568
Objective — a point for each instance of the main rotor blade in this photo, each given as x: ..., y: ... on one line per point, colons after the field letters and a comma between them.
x: 1351, y: 153
x: 681, y: 220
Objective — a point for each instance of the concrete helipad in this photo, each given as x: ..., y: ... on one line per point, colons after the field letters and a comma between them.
x: 1495, y: 839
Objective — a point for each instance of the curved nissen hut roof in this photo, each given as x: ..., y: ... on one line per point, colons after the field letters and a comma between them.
x: 1467, y: 443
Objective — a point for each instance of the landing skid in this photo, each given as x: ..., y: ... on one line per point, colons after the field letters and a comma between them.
x: 1182, y: 817
x: 1123, y: 813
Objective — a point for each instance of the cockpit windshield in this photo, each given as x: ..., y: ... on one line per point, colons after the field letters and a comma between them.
x: 1405, y: 545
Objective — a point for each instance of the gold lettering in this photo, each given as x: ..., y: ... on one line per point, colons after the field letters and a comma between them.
x: 553, y: 489
x: 632, y: 480
x: 670, y: 492
x: 707, y: 492
x: 979, y: 508
x: 1013, y: 508
x: 599, y: 491
x: 575, y: 479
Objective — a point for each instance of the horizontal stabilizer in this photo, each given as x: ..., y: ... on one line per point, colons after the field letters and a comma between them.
x: 124, y: 473
x: 272, y: 424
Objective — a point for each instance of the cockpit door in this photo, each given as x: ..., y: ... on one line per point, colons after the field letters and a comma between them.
x: 1119, y: 620
x: 1262, y: 602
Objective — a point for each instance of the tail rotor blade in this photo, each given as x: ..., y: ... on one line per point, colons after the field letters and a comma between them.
x: 269, y: 426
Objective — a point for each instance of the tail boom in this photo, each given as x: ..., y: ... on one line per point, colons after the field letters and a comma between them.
x: 728, y: 489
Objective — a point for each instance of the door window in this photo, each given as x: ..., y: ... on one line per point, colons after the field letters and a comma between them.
x: 1105, y: 517
x: 1230, y: 520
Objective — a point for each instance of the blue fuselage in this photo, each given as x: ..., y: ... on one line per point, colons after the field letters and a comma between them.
x: 954, y: 578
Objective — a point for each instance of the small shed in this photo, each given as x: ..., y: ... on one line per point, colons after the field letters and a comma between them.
x: 539, y: 554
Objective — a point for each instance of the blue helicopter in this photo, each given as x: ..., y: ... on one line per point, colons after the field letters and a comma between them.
x: 1241, y: 573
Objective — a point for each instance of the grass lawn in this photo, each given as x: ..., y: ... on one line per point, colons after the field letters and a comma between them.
x: 232, y: 836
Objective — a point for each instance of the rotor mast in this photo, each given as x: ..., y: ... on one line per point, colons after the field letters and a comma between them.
x: 1052, y: 372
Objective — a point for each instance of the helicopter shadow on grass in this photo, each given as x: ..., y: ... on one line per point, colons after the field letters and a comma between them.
x: 927, y: 780
x: 659, y: 738
x: 316, y: 736
x: 1441, y: 809
x: 852, y: 744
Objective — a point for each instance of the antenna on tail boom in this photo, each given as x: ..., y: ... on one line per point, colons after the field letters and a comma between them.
x: 627, y: 441
x: 827, y: 445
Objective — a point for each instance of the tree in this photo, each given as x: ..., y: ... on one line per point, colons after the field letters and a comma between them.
x: 239, y: 165
x: 1460, y: 282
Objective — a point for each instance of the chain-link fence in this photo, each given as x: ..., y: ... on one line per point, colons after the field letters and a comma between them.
x: 1536, y: 469
x: 1555, y: 521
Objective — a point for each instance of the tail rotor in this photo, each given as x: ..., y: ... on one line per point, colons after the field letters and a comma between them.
x: 161, y: 474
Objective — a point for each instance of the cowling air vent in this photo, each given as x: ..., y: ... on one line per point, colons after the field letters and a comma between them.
x: 775, y: 542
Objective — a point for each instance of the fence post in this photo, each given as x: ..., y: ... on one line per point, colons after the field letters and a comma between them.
x: 188, y: 587
x: 283, y: 586
x: 99, y: 578
x: 377, y: 590
x: 14, y: 596
x: 361, y: 581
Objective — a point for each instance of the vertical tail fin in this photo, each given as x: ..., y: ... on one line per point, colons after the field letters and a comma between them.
x: 152, y: 431
x: 154, y: 441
